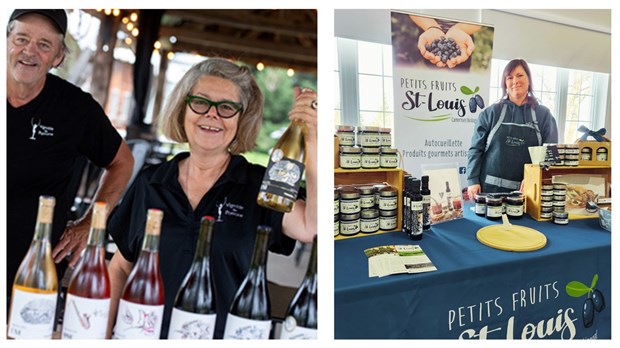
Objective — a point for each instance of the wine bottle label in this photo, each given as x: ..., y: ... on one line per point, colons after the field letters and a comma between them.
x: 283, y: 176
x: 191, y: 326
x: 32, y: 314
x: 85, y: 318
x: 138, y: 321
x: 291, y: 331
x: 238, y: 328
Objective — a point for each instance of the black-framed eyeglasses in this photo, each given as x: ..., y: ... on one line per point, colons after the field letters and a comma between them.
x: 224, y: 109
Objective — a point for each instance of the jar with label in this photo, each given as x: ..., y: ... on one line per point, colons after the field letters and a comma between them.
x: 368, y: 137
x: 586, y: 154
x: 336, y: 201
x: 349, y: 200
x: 367, y: 197
x: 572, y: 149
x: 378, y: 188
x: 386, y: 136
x: 388, y: 198
x: 349, y: 224
x: 346, y: 135
x: 546, y: 212
x: 369, y: 222
x: 389, y: 157
x: 494, y: 207
x: 336, y: 225
x: 560, y: 218
x: 370, y: 157
x: 481, y: 204
x: 601, y: 154
x: 388, y: 219
x: 514, y: 205
x: 350, y: 157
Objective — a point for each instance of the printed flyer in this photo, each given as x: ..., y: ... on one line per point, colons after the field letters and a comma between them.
x: 395, y: 259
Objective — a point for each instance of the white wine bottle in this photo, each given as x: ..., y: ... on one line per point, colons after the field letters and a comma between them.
x: 300, y: 321
x: 88, y: 297
x: 193, y: 313
x: 141, y: 307
x: 35, y: 289
x: 249, y: 314
x: 278, y: 190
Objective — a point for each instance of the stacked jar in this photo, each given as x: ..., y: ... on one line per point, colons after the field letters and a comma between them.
x: 571, y: 157
x: 388, y: 208
x: 546, y: 200
x: 560, y: 216
x: 350, y: 209
x: 369, y: 222
x: 386, y: 137
x: 389, y: 158
x: 336, y: 212
x: 481, y: 204
x: 561, y: 153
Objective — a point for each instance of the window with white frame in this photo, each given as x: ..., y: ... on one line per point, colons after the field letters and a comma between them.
x: 364, y: 96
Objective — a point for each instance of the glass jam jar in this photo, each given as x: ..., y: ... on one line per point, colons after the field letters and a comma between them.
x: 370, y: 158
x: 367, y: 197
x: 481, y: 204
x: 369, y: 222
x: 350, y: 157
x: 386, y: 136
x: 346, y: 135
x: 349, y: 200
x: 494, y: 207
x: 388, y: 198
x: 601, y: 154
x: 389, y: 157
x: 368, y: 137
x: 336, y: 201
x: 514, y: 205
x: 349, y: 224
x: 586, y: 154
x: 388, y: 219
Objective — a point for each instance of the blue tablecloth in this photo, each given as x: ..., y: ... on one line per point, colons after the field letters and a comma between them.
x: 477, y: 291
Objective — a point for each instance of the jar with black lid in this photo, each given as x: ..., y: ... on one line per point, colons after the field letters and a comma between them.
x: 349, y: 224
x: 349, y: 200
x: 481, y: 204
x: 494, y: 207
x: 560, y: 218
x: 514, y: 205
x: 369, y: 222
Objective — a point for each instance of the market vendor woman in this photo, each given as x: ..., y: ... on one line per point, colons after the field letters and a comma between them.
x: 504, y: 131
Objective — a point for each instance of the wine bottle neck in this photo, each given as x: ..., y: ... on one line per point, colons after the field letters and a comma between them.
x: 96, y: 236
x: 151, y: 243
x: 312, y: 262
x: 42, y: 232
x: 259, y: 256
x: 203, y: 248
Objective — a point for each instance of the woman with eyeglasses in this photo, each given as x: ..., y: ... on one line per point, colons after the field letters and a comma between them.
x: 217, y: 108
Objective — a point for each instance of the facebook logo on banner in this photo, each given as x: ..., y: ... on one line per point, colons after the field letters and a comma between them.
x: 462, y: 170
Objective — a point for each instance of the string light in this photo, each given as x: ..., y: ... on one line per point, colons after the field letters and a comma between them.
x: 135, y: 32
x: 128, y: 41
x: 260, y: 66
x: 290, y: 72
x: 116, y: 12
x: 107, y: 11
x: 157, y: 45
x: 170, y: 55
x: 125, y: 20
x: 130, y: 26
x: 133, y: 16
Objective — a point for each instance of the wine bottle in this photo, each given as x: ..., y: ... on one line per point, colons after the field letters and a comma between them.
x: 88, y: 297
x: 193, y: 313
x: 449, y: 197
x: 35, y: 288
x: 300, y: 321
x: 417, y: 213
x: 426, y: 203
x: 278, y: 190
x: 406, y: 203
x: 141, y: 307
x: 249, y: 313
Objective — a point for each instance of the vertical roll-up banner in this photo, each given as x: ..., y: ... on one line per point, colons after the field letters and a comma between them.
x: 441, y: 82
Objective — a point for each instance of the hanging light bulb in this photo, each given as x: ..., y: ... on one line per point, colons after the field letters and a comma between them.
x: 133, y: 16
x: 116, y: 12
x: 290, y: 72
x: 157, y: 45
x: 260, y: 66
x: 135, y: 32
x: 170, y: 55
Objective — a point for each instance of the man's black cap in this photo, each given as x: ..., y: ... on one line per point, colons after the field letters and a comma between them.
x: 58, y: 17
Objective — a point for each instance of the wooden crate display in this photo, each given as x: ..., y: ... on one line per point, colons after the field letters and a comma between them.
x: 358, y: 177
x: 534, y: 175
x: 595, y: 147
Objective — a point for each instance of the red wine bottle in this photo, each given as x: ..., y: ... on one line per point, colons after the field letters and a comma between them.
x: 300, y: 321
x: 249, y: 314
x: 88, y: 297
x: 35, y: 289
x: 193, y: 313
x: 141, y: 308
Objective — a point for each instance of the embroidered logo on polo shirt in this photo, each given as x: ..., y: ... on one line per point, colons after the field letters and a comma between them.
x: 39, y: 129
x: 229, y: 209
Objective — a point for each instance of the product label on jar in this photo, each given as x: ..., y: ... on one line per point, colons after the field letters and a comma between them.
x: 387, y: 223
x: 386, y: 139
x: 32, y: 315
x: 336, y: 207
x: 85, y: 318
x: 494, y: 211
x: 514, y: 210
x: 350, y: 206
x: 138, y: 321
x: 389, y: 161
x: 191, y: 326
x: 367, y: 201
x: 369, y: 225
x: 350, y: 161
x: 601, y: 156
x: 238, y: 328
x: 370, y: 161
x: 348, y: 228
x: 481, y: 209
x: 346, y: 138
x: 388, y: 203
x: 292, y: 331
x: 369, y: 140
x: 336, y: 228
x: 283, y: 176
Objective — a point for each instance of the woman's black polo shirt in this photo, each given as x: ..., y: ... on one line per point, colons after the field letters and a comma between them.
x: 231, y: 201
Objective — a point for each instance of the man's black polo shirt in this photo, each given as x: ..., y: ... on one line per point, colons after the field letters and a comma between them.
x: 231, y: 201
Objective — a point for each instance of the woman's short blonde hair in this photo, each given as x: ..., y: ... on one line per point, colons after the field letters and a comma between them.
x: 172, y: 116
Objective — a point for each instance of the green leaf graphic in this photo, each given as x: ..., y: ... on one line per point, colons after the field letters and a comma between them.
x: 476, y: 90
x: 594, y: 281
x: 577, y: 289
x: 465, y: 90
